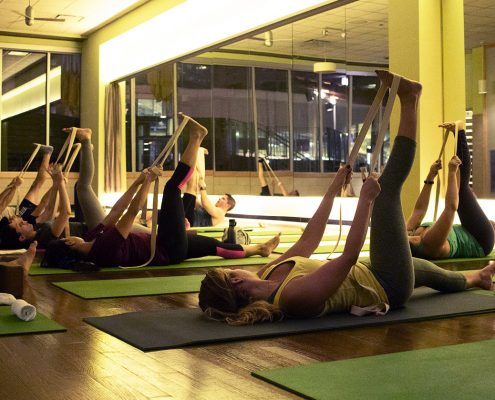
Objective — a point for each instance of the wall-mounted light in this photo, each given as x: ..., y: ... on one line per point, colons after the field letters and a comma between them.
x: 324, y: 66
x: 482, y: 86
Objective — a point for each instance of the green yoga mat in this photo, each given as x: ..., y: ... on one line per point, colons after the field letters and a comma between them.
x: 463, y: 371
x: 204, y: 262
x: 322, y: 249
x: 11, y: 325
x: 132, y: 287
x: 290, y: 238
x: 489, y: 257
x: 286, y: 232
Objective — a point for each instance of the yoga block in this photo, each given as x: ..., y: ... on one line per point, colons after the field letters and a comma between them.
x: 12, y: 280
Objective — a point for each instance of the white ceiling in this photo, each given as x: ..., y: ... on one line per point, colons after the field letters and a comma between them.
x: 364, y: 22
x: 81, y: 16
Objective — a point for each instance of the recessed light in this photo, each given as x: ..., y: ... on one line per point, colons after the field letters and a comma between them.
x: 17, y: 53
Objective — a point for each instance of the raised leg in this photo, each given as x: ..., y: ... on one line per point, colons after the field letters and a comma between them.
x: 390, y: 255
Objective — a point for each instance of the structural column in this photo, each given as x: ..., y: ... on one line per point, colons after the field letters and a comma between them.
x: 426, y: 43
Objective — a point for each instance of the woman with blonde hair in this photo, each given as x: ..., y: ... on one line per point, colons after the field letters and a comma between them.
x: 295, y: 286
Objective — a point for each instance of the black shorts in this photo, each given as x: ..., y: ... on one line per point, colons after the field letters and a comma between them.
x: 26, y: 209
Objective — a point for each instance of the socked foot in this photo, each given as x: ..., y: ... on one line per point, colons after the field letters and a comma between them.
x: 408, y: 89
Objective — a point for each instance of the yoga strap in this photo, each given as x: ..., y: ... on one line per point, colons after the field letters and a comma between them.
x: 74, y: 152
x: 22, y: 172
x: 370, y: 116
x: 159, y: 161
x: 440, y: 155
x: 270, y: 171
x: 67, y: 147
x: 379, y: 308
x: 384, y: 123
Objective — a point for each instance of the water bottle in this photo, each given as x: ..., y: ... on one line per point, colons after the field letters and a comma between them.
x: 231, y: 231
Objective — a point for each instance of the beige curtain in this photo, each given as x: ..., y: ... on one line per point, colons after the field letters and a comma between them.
x: 71, y: 83
x: 113, y: 138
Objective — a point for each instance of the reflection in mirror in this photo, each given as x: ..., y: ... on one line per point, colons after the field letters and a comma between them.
x: 295, y: 94
x: 23, y: 106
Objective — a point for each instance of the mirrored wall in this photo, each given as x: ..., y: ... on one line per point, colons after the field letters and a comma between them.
x: 296, y: 95
x: 40, y: 96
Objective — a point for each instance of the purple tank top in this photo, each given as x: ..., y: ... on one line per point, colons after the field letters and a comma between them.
x: 110, y: 249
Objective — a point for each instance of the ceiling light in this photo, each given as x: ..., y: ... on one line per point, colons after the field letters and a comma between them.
x: 324, y: 66
x: 17, y: 53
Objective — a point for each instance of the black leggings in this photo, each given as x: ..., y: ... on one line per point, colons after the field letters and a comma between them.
x: 172, y: 235
x: 472, y: 217
x: 189, y: 203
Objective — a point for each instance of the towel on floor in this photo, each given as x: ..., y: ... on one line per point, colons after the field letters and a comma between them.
x: 23, y: 310
x: 6, y: 299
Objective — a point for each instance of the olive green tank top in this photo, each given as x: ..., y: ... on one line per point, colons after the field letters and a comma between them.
x: 360, y: 293
x: 462, y: 243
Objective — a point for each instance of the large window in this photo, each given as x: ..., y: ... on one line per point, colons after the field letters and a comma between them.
x: 27, y: 82
x: 302, y: 112
x: 364, y: 89
x: 23, y: 106
x: 194, y: 98
x: 65, y: 86
x: 272, y: 109
x: 233, y: 119
x: 306, y: 125
x: 154, y: 115
x: 334, y: 110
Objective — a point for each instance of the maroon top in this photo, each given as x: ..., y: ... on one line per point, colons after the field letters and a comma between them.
x: 110, y: 249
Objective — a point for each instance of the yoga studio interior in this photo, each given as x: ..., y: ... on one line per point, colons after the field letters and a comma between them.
x: 289, y: 95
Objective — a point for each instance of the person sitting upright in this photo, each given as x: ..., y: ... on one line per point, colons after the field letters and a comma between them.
x: 204, y: 212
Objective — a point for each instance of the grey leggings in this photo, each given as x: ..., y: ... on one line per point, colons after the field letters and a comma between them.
x: 90, y: 205
x: 390, y: 255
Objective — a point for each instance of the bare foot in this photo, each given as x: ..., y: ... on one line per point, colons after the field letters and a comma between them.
x: 481, y: 278
x: 44, y: 149
x: 197, y: 130
x: 81, y: 133
x: 266, y: 248
x: 408, y: 89
x: 25, y: 260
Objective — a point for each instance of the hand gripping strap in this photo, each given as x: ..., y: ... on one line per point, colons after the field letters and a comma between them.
x: 159, y: 161
x: 67, y: 147
x: 370, y: 116
x: 440, y: 155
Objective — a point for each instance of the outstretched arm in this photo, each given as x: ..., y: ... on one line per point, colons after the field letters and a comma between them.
x: 48, y: 204
x: 311, y: 237
x: 261, y: 173
x: 421, y: 206
x: 282, y: 188
x: 206, y: 203
x: 434, y: 240
x: 62, y: 219
x: 121, y: 205
x: 124, y: 224
x: 306, y: 296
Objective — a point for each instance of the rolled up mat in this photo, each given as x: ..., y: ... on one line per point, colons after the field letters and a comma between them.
x: 23, y: 310
x: 12, y: 280
x: 6, y: 299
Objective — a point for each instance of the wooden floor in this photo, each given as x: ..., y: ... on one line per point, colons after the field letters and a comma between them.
x: 85, y: 363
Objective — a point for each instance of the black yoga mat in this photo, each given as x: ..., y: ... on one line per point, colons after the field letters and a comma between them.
x: 155, y: 330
